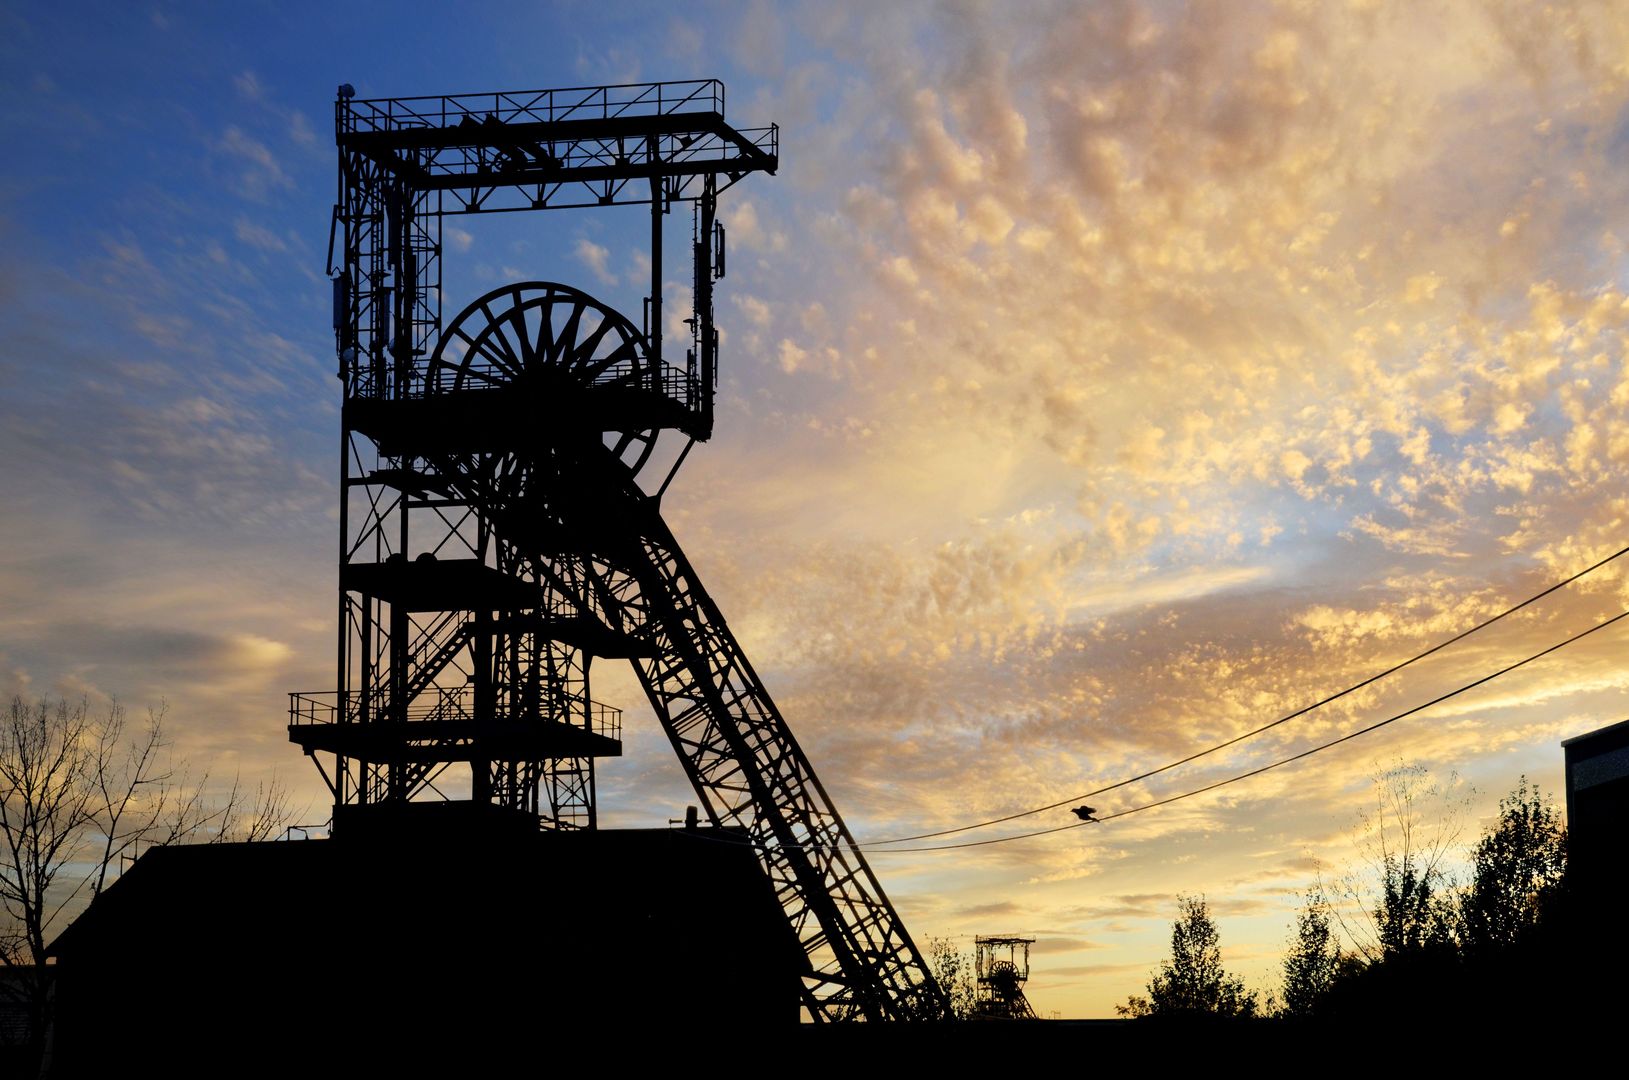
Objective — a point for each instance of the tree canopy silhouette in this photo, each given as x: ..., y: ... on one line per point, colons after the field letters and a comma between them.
x: 1313, y: 961
x: 1192, y: 982
x: 953, y: 970
x: 1470, y: 950
x: 1517, y: 869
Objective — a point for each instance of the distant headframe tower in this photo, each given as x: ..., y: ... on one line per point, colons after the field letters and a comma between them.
x: 496, y: 538
x: 1002, y: 967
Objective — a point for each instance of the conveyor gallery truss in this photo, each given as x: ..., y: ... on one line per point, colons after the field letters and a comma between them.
x: 496, y: 540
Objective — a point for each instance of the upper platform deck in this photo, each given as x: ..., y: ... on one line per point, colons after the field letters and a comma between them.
x: 569, y: 147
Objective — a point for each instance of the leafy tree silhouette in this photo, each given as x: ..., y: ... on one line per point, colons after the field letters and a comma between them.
x: 1453, y: 953
x: 1517, y: 869
x: 953, y: 970
x: 1193, y: 982
x: 1314, y: 959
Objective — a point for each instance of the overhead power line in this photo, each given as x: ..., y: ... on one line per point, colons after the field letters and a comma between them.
x: 1417, y: 657
x: 1272, y: 765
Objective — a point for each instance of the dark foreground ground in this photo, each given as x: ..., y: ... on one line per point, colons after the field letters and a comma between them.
x: 664, y: 953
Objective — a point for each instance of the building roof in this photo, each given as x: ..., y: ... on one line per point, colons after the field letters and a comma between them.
x: 1620, y: 728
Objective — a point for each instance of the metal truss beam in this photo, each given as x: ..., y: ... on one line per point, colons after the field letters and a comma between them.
x: 747, y: 767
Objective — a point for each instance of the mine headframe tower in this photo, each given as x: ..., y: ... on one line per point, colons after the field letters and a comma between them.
x: 495, y: 538
x: 1002, y: 968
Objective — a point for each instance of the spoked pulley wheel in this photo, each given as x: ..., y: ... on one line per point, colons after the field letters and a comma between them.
x: 546, y: 337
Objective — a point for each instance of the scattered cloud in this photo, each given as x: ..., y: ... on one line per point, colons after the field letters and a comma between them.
x: 261, y: 171
x: 743, y: 227
x: 596, y: 258
x: 257, y: 236
x: 299, y: 129
x: 756, y: 311
x: 248, y: 85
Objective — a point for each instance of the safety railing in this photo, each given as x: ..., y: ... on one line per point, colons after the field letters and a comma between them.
x: 535, y: 106
x: 446, y: 703
x: 313, y: 707
x: 476, y: 375
x: 605, y: 720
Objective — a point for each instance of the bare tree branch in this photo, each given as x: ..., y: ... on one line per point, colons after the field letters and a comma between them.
x: 78, y: 797
x: 1396, y: 894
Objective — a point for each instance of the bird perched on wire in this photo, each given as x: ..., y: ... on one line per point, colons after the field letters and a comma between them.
x: 1084, y: 813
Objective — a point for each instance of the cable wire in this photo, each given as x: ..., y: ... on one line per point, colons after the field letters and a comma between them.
x: 1257, y: 731
x: 1272, y: 765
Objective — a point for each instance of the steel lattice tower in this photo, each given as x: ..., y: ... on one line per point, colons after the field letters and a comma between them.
x: 1003, y: 968
x: 496, y: 539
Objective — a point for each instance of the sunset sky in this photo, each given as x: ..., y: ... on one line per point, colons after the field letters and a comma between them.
x: 1099, y: 381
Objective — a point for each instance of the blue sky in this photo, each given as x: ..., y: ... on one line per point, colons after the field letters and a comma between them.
x: 1099, y: 380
